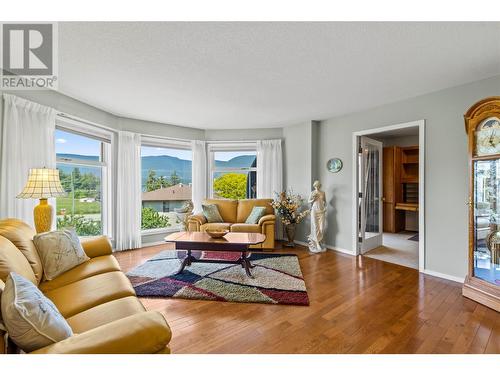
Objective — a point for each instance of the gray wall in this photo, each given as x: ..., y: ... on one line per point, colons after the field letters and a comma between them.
x: 445, y: 169
x: 299, y: 159
x: 158, y: 129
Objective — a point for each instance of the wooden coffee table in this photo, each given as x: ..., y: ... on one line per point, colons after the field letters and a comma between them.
x: 233, y: 242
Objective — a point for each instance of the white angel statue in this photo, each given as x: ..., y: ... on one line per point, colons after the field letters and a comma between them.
x: 317, y: 200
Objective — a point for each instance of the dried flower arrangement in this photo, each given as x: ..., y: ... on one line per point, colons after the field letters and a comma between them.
x: 287, y: 207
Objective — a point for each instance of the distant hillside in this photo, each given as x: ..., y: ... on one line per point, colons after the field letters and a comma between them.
x: 164, y: 165
x: 68, y: 168
x: 238, y: 161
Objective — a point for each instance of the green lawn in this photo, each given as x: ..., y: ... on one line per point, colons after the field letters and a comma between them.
x: 80, y: 207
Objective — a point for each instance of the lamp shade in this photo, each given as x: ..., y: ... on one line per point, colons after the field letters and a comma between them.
x: 42, y: 183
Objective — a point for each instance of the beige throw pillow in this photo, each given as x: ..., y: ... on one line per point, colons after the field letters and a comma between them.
x: 31, y: 319
x: 59, y: 251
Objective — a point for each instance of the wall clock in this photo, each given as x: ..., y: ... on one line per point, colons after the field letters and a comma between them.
x: 334, y: 165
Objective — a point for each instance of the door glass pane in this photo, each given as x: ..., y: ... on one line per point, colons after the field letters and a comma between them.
x: 371, y: 190
x: 487, y: 220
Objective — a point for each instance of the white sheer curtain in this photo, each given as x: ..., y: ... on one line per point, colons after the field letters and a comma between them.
x: 27, y: 142
x: 199, y: 174
x: 269, y: 168
x: 128, y: 191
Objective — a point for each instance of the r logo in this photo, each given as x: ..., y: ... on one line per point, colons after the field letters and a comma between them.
x: 27, y: 49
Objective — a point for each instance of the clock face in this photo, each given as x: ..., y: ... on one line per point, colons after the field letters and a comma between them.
x: 488, y: 137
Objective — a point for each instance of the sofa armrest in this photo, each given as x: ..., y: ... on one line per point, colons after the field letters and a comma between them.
x: 194, y: 222
x: 200, y: 219
x: 143, y: 333
x: 97, y: 246
x: 267, y: 218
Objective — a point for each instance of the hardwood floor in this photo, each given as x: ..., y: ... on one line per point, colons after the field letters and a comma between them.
x: 357, y: 305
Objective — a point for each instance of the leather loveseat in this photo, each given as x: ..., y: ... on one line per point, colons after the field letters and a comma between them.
x: 234, y: 213
x: 95, y: 297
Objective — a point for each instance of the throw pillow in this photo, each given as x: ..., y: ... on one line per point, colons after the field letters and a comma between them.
x: 255, y: 215
x: 211, y: 212
x: 59, y: 251
x: 31, y: 319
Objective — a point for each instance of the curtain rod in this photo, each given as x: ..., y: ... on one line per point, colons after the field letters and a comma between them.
x: 75, y: 118
x: 248, y: 141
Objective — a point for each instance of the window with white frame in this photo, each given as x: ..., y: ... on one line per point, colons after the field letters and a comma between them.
x: 83, y: 162
x: 166, y: 183
x: 233, y: 170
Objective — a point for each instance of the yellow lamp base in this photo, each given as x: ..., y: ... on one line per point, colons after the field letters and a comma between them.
x: 42, y: 215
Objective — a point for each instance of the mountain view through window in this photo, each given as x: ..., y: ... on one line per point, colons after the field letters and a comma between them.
x: 166, y: 182
x: 79, y: 161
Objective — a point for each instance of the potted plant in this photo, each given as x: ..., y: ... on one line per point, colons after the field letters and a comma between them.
x: 287, y: 207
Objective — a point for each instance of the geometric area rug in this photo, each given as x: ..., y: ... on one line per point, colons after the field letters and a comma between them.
x: 277, y: 278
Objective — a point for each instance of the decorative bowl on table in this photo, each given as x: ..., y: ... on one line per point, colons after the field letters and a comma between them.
x: 217, y: 233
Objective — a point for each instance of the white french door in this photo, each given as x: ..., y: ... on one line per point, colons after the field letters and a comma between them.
x: 370, y: 194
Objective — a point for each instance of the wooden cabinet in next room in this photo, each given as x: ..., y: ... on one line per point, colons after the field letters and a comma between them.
x: 400, y: 188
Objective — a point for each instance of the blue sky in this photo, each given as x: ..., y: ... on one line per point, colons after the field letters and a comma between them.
x: 69, y: 143
x: 156, y: 151
x: 228, y: 155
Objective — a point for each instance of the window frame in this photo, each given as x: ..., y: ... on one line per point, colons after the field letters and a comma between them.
x: 84, y: 129
x: 160, y: 142
x: 214, y: 147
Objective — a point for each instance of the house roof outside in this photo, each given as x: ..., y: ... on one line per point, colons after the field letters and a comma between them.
x: 179, y: 192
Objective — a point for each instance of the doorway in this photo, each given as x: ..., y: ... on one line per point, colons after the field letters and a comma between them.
x: 388, y: 197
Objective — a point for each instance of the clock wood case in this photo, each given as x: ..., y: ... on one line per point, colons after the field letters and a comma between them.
x: 482, y: 124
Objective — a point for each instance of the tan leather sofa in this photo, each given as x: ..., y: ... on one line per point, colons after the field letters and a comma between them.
x: 234, y: 213
x: 95, y: 297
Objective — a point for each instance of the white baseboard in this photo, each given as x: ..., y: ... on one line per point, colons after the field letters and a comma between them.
x: 444, y: 276
x: 329, y: 247
x: 427, y: 272
x: 302, y: 243
x: 341, y: 250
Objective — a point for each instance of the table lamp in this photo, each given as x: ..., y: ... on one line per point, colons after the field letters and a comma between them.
x: 43, y: 183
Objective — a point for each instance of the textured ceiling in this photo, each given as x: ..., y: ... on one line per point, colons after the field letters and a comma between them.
x: 245, y: 75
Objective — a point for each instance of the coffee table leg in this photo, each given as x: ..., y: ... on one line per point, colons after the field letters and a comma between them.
x: 185, y: 262
x: 246, y: 263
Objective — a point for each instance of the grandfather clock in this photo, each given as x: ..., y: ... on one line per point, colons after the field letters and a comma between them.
x: 482, y: 124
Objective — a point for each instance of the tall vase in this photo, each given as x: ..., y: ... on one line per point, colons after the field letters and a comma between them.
x: 290, y: 234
